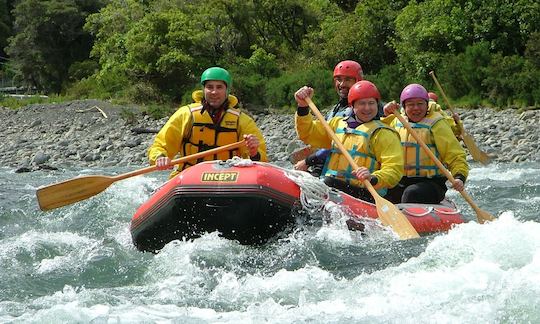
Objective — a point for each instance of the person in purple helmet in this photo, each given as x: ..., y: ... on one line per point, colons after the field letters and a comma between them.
x: 422, y: 181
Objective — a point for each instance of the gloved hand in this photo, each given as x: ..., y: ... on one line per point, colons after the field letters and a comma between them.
x: 252, y: 143
x: 163, y: 163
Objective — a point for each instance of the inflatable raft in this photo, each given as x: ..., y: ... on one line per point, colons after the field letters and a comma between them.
x: 251, y: 204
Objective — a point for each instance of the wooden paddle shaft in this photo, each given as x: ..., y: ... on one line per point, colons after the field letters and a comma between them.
x: 336, y: 140
x: 442, y: 91
x: 482, y: 215
x: 191, y: 157
x: 388, y: 213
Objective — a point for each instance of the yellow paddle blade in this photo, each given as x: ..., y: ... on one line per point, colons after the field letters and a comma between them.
x: 80, y: 188
x: 70, y: 191
x: 483, y: 216
x: 476, y: 153
x: 390, y: 215
x: 300, y: 154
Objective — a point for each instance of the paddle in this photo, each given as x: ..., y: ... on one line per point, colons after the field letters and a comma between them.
x: 476, y: 152
x: 481, y: 215
x: 80, y: 188
x: 388, y: 212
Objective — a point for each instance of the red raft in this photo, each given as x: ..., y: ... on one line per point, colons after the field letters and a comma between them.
x: 251, y: 204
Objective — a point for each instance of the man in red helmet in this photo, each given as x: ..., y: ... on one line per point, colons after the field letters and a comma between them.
x: 374, y: 146
x: 346, y: 73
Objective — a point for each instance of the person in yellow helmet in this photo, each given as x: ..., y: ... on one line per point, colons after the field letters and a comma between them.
x: 211, y: 121
x: 422, y: 181
x: 453, y: 120
x: 374, y: 146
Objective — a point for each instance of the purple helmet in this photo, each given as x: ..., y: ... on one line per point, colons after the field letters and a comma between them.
x: 413, y: 90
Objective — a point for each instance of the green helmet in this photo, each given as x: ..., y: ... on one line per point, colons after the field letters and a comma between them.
x: 217, y: 73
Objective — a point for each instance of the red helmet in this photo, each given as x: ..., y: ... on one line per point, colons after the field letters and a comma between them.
x: 433, y: 96
x: 362, y: 90
x: 350, y: 69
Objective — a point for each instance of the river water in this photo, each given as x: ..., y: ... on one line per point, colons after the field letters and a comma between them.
x: 76, y: 264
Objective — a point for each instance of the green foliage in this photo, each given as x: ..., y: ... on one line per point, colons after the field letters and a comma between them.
x: 251, y: 75
x: 48, y: 39
x: 14, y: 103
x: 143, y: 92
x: 279, y: 92
x: 158, y: 111
x: 5, y: 25
x: 362, y: 36
x: 388, y: 82
x: 153, y: 51
x: 83, y: 69
x: 532, y: 51
x: 107, y: 86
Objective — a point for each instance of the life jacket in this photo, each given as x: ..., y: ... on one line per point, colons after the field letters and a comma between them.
x: 341, y: 109
x: 417, y: 162
x: 206, y: 135
x: 357, y: 142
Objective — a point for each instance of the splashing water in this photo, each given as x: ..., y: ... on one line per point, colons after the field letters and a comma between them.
x: 77, y: 263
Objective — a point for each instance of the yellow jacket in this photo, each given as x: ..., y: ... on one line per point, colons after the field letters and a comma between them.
x: 384, y: 143
x: 172, y: 137
x: 450, y: 152
x: 456, y: 128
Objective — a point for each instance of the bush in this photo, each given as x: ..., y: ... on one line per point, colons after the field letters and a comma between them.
x: 81, y: 70
x: 389, y: 82
x: 279, y: 92
x: 144, y: 92
x: 251, y: 75
x: 157, y: 111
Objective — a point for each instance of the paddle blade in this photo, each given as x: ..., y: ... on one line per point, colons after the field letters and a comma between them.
x: 70, y: 191
x: 483, y: 216
x: 392, y: 216
x: 476, y: 153
x: 300, y: 154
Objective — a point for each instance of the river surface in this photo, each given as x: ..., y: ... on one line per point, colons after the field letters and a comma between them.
x: 77, y: 264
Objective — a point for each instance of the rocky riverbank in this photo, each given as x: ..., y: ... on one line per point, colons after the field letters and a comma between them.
x: 92, y: 133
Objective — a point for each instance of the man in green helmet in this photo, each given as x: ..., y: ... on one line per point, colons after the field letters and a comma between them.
x: 211, y: 121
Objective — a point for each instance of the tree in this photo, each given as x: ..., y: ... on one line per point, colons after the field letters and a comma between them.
x: 363, y: 36
x: 48, y: 38
x: 5, y: 24
x: 426, y: 30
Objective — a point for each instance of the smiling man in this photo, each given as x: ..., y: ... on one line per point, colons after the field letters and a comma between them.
x: 210, y: 122
x: 346, y: 74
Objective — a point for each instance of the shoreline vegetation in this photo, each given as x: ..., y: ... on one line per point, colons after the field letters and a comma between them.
x: 153, y: 52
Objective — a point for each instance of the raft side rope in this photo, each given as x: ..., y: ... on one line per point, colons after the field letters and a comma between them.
x: 313, y: 192
x: 237, y: 161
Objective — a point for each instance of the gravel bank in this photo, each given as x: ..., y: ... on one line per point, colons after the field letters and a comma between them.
x: 78, y: 134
